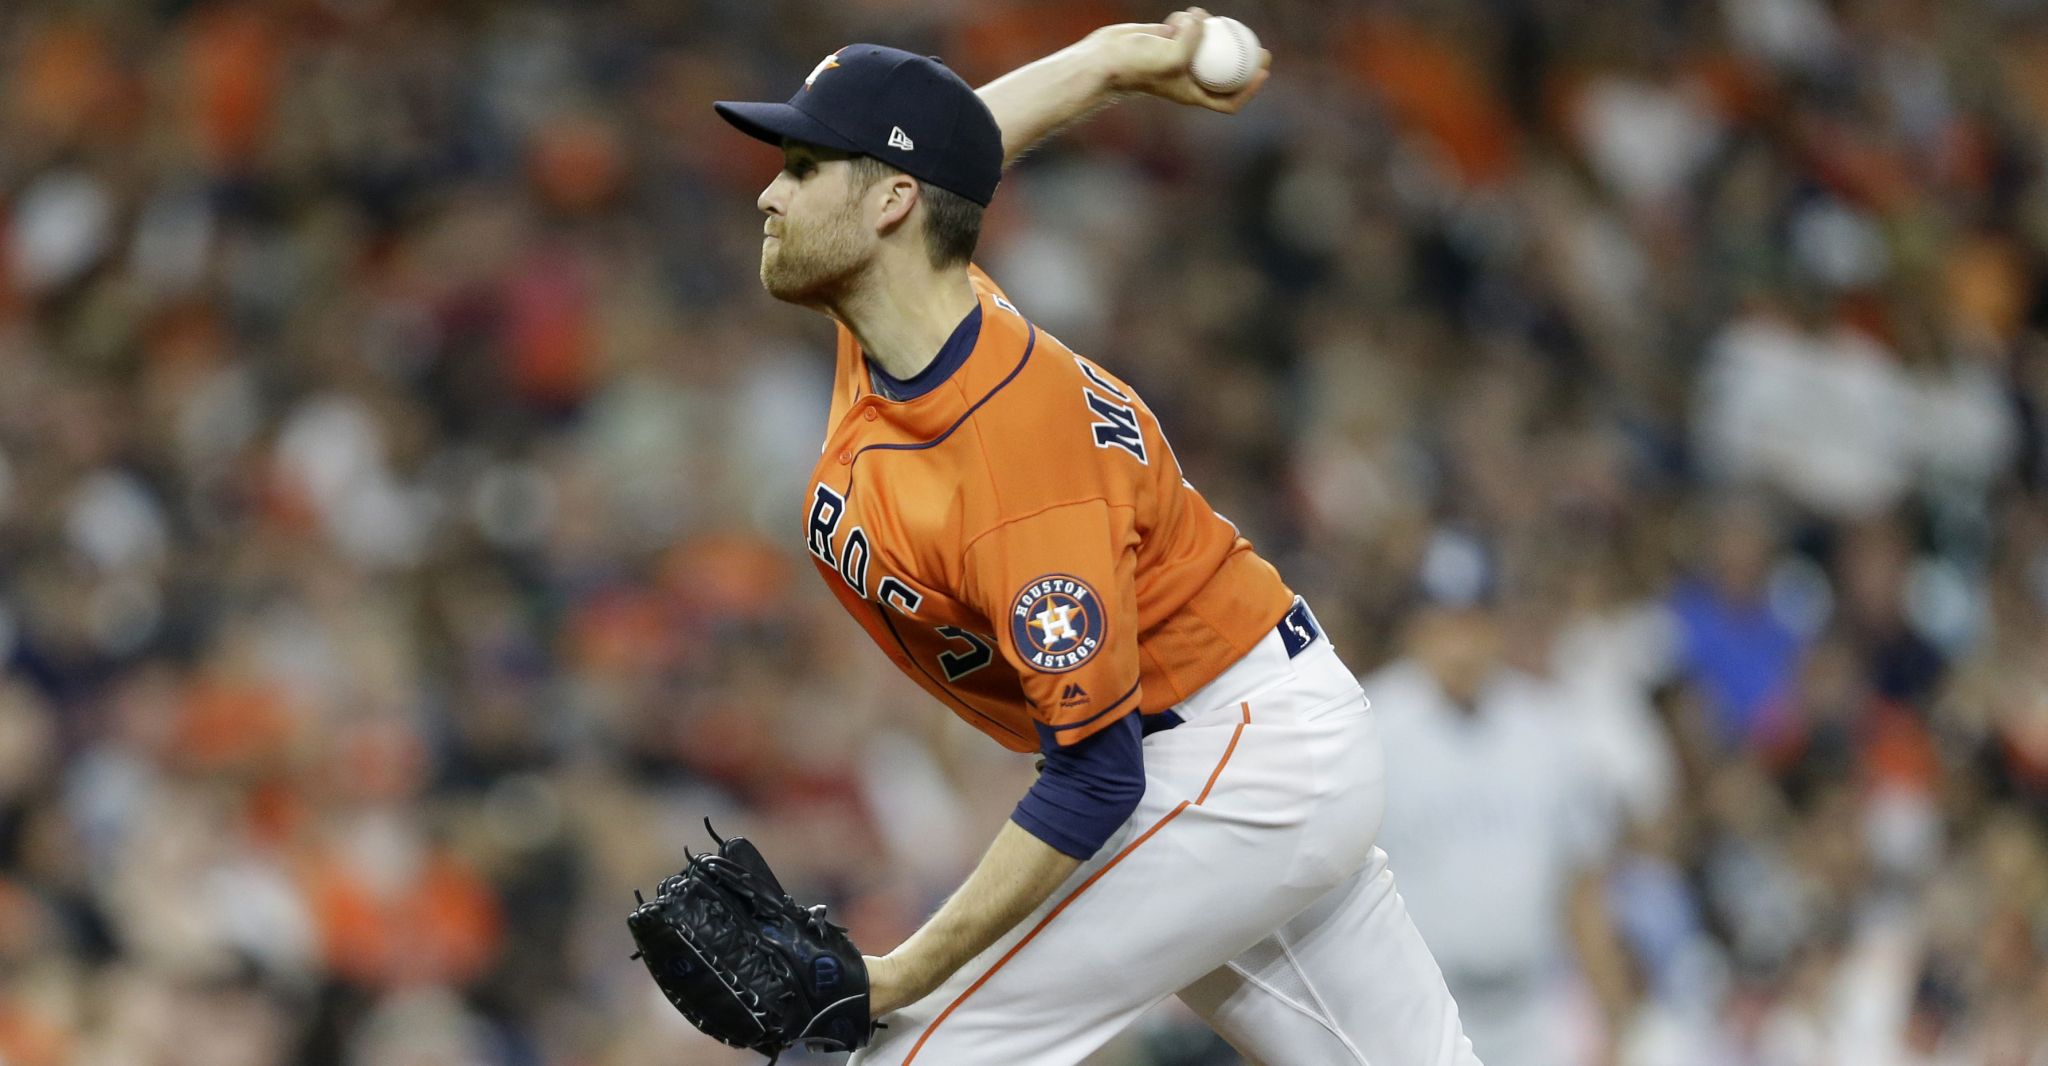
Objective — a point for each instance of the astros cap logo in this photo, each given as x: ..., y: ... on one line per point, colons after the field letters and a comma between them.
x: 830, y: 62
x: 1057, y: 623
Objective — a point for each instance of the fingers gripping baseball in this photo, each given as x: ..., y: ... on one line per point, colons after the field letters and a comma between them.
x: 1160, y: 59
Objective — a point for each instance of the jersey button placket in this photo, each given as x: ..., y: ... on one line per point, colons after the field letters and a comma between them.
x: 845, y: 457
x: 870, y: 414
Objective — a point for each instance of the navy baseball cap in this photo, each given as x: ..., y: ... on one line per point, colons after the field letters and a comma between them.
x: 907, y: 110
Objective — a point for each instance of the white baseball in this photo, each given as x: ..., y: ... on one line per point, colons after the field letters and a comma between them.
x: 1227, y: 57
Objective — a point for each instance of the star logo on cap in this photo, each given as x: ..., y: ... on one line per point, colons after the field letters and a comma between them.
x: 830, y: 62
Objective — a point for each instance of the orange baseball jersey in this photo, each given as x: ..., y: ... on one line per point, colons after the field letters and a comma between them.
x: 1020, y: 540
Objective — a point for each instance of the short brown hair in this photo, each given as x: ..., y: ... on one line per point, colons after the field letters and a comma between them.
x: 952, y: 222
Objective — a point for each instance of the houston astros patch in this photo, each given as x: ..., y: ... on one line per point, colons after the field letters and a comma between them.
x: 1057, y: 623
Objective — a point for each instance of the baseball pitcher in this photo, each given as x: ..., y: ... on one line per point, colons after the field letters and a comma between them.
x: 1005, y: 518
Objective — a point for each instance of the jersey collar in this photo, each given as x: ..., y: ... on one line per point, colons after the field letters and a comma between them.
x: 951, y: 356
x: 988, y: 356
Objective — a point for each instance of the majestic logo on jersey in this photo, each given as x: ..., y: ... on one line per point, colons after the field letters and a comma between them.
x: 830, y: 62
x: 1057, y: 623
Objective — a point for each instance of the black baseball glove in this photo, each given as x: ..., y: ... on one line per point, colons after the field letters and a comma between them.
x: 747, y: 965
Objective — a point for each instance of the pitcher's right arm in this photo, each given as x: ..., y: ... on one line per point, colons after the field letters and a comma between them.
x: 1039, y: 98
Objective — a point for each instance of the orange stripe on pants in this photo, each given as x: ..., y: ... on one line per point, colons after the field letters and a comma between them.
x: 1228, y: 751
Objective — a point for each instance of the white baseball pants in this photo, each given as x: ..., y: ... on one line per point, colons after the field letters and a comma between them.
x: 1247, y: 883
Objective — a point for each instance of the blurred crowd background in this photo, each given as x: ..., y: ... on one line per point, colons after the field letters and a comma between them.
x: 401, y: 469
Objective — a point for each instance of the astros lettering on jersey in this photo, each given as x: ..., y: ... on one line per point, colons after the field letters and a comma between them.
x: 1020, y: 541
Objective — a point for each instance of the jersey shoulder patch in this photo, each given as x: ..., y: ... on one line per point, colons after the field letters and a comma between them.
x: 1057, y: 622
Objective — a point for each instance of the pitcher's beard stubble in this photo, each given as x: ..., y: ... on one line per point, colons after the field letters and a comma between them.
x: 805, y: 264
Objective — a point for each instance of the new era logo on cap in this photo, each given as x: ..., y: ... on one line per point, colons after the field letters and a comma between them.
x: 900, y: 139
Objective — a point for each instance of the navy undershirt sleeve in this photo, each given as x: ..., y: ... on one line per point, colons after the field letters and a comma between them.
x: 1086, y: 790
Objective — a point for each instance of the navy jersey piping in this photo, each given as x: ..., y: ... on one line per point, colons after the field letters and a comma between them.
x: 1030, y: 345
x: 943, y: 687
x: 952, y: 356
x: 1098, y: 714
